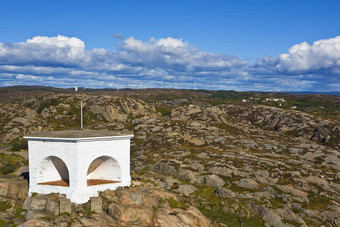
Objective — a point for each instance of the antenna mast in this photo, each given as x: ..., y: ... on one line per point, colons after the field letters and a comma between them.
x: 81, y: 106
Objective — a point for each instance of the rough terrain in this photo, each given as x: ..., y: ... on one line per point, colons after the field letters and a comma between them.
x: 249, y: 164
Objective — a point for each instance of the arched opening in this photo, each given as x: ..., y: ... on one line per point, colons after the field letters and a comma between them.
x: 53, y: 171
x: 103, y: 170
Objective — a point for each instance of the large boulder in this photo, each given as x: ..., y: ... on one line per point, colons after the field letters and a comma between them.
x: 14, y: 189
x: 150, y: 207
x: 248, y: 183
x: 128, y: 215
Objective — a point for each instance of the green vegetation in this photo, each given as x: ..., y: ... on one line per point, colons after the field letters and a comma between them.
x: 18, y: 145
x: 8, y: 168
x: 165, y: 111
x: 212, y: 207
x: 277, y: 202
x: 17, y: 213
x: 88, y: 212
x: 47, y: 103
x: 311, y: 223
x: 11, y: 162
x: 294, y: 223
x: 317, y: 202
x: 4, y: 206
x: 177, y: 204
x: 4, y: 223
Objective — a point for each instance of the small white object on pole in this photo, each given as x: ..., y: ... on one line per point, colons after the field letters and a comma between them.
x: 76, y: 89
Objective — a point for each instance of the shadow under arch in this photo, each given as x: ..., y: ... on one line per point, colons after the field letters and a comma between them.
x: 53, y: 171
x: 103, y: 170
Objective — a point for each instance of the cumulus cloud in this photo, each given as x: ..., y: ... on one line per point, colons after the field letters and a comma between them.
x: 322, y: 55
x: 64, y: 61
x: 25, y: 77
x: 42, y: 50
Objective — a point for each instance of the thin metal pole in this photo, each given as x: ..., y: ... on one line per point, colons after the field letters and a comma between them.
x: 81, y: 114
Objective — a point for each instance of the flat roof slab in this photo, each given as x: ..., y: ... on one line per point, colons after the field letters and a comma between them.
x: 79, y: 134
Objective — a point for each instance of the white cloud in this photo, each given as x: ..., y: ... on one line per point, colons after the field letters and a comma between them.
x: 322, y: 55
x: 26, y: 77
x: 42, y: 50
x: 64, y: 61
x: 74, y: 47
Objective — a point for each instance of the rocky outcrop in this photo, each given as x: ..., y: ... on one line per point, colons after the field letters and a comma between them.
x: 54, y: 112
x: 130, y: 207
x: 137, y: 206
x: 270, y: 118
x: 13, y: 189
x: 250, y: 163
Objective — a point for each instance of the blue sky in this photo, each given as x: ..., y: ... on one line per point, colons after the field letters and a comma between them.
x: 241, y: 45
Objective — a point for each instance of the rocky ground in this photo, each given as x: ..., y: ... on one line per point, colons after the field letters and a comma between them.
x: 235, y: 164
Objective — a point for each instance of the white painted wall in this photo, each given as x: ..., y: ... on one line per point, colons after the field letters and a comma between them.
x: 52, y: 169
x: 77, y: 155
x: 106, y: 168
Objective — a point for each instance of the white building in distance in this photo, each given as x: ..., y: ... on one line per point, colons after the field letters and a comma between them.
x: 78, y: 163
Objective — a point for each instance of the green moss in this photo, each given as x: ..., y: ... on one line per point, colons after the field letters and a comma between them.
x: 177, y: 204
x: 165, y: 111
x: 161, y: 203
x: 4, y: 223
x: 317, y: 202
x: 154, y: 209
x: 294, y: 223
x: 130, y: 116
x: 277, y: 202
x: 47, y: 103
x: 18, y: 145
x: 17, y: 213
x: 11, y: 162
x: 212, y: 207
x: 4, y: 206
x: 88, y: 212
x: 311, y: 223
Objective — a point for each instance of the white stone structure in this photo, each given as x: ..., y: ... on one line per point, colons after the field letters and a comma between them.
x: 78, y: 163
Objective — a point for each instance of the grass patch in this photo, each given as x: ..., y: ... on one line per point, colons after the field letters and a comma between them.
x: 317, y: 202
x: 47, y: 103
x: 294, y: 223
x: 17, y: 213
x: 311, y: 223
x: 5, y: 223
x: 277, y: 202
x: 212, y: 207
x: 177, y: 204
x: 19, y: 145
x: 4, y: 206
x: 11, y: 162
x: 164, y: 111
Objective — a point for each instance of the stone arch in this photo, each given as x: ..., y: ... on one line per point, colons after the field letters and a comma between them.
x: 53, y: 171
x: 103, y: 170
